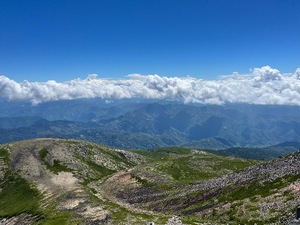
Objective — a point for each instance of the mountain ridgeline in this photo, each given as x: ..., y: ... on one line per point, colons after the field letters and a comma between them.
x: 64, y: 181
x: 132, y: 124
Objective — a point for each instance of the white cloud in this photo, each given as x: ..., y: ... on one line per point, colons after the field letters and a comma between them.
x: 267, y: 73
x: 262, y: 86
x: 297, y: 73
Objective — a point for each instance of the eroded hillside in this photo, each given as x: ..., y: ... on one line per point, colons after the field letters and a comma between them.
x: 52, y: 181
x: 58, y: 181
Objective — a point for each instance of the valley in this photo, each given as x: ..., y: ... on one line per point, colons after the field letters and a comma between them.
x: 66, y: 181
x: 146, y: 124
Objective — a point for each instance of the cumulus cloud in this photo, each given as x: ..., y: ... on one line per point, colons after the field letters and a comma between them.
x: 261, y: 86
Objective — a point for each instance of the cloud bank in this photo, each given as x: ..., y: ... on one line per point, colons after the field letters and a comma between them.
x: 261, y: 86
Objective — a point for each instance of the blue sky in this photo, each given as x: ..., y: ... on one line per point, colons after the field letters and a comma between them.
x: 49, y: 39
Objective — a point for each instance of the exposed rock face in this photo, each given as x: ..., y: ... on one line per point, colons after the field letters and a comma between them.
x: 23, y: 219
x: 64, y: 171
x: 65, y: 180
x: 174, y: 221
x: 288, y: 165
x: 2, y: 168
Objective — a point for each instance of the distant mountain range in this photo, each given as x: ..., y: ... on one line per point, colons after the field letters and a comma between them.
x: 147, y: 125
x: 263, y: 153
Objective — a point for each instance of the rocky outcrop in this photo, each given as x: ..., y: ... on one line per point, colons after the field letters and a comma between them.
x: 174, y: 221
x: 288, y: 165
x: 24, y: 219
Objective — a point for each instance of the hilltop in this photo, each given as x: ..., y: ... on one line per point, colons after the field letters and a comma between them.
x: 64, y: 181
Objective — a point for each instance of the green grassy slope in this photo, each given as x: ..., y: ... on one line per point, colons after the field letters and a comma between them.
x: 55, y: 181
x: 188, y: 166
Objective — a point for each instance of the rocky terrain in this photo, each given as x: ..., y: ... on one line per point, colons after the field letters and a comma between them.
x: 64, y: 181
